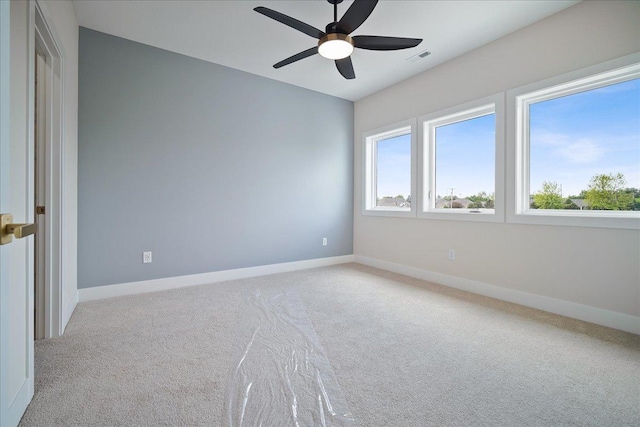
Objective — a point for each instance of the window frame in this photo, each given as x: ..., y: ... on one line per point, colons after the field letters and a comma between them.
x: 369, y: 182
x: 493, y: 104
x: 518, y: 174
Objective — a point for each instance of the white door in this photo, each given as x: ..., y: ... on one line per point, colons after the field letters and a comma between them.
x: 16, y: 197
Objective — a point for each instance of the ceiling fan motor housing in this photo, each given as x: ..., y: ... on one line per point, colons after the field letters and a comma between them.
x: 332, y: 27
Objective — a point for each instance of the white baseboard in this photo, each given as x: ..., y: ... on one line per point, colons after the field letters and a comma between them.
x: 68, y: 311
x: 611, y: 319
x: 109, y: 291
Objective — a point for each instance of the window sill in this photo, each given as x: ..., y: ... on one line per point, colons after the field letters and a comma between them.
x: 625, y: 220
x: 389, y: 212
x: 476, y: 215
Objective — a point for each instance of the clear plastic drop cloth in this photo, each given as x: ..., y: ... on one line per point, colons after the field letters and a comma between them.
x: 281, y: 375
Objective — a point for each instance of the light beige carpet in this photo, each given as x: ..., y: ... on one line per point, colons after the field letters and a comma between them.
x: 404, y: 352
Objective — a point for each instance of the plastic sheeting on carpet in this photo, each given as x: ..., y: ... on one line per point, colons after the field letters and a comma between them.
x: 281, y: 375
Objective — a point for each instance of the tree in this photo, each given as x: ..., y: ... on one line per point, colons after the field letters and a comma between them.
x: 480, y: 197
x: 481, y: 200
x: 550, y: 197
x: 607, y: 192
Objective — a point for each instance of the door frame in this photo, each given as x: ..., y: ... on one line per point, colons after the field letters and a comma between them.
x: 47, y: 43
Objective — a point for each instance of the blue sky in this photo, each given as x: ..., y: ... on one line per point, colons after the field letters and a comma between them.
x: 578, y: 136
x: 465, y: 157
x: 572, y: 139
x: 394, y: 166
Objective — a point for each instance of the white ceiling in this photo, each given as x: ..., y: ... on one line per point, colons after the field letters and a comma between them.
x: 232, y: 34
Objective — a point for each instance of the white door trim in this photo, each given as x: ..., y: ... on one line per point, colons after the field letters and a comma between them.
x: 46, y: 39
x: 40, y: 163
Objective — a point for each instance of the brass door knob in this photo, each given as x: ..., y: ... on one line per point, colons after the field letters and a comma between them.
x: 8, y: 229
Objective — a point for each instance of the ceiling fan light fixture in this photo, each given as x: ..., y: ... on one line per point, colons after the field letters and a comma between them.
x: 335, y: 43
x: 335, y: 46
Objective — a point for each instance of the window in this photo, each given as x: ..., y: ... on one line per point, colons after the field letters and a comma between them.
x: 462, y: 160
x: 578, y: 149
x: 389, y: 169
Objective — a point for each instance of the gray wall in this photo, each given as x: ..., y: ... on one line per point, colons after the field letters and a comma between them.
x: 208, y: 167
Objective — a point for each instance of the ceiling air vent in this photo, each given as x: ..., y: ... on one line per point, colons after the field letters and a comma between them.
x: 419, y: 56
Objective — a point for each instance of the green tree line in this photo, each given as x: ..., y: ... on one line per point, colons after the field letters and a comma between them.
x: 606, y: 192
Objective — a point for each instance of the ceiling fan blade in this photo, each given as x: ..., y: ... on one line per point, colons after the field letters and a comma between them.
x: 345, y: 66
x: 356, y: 15
x: 297, y: 57
x: 291, y: 22
x: 384, y: 43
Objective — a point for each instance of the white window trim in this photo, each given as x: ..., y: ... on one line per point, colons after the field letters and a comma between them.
x: 368, y: 169
x: 518, y: 100
x: 426, y: 164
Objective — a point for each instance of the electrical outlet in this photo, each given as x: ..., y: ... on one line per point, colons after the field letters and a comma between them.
x: 324, y: 241
x: 452, y: 254
x: 146, y: 257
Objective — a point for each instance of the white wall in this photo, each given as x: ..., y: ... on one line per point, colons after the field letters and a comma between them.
x: 61, y: 17
x: 595, y: 267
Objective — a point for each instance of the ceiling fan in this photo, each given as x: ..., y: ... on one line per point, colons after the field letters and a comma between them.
x: 335, y: 42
